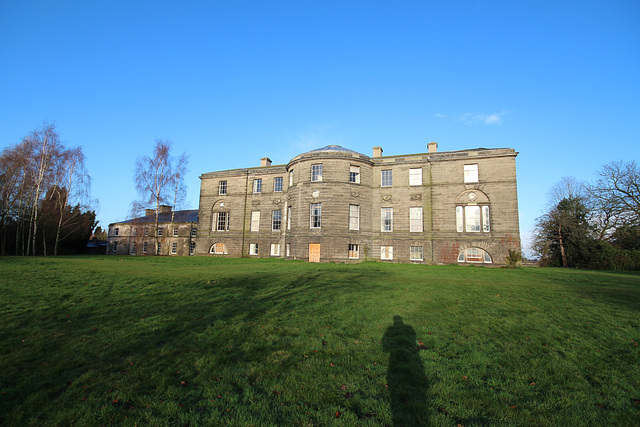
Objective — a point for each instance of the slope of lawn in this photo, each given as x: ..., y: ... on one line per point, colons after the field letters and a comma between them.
x: 201, y: 341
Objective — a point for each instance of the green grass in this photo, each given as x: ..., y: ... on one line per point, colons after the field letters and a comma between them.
x: 201, y: 341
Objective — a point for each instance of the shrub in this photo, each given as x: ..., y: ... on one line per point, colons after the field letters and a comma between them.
x: 514, y: 259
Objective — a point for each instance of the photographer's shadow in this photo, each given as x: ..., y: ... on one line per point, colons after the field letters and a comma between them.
x: 405, y: 376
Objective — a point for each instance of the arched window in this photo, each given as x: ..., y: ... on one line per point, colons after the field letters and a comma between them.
x: 475, y: 255
x: 472, y: 212
x: 218, y: 248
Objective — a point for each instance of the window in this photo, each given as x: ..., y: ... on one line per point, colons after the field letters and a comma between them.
x: 275, y: 249
x: 133, y: 248
x: 144, y: 248
x: 253, y: 249
x: 415, y: 176
x: 276, y: 220
x: 158, y: 248
x: 470, y: 173
x: 192, y: 248
x: 222, y: 188
x: 475, y: 255
x: 277, y: 184
x: 257, y: 185
x: 386, y: 178
x: 135, y: 231
x: 354, y: 174
x: 174, y: 248
x: 175, y: 231
x: 354, y: 251
x: 315, y: 220
x: 289, y: 218
x: 218, y: 248
x: 115, y: 246
x: 160, y: 230
x: 416, y: 253
x: 291, y: 178
x: 316, y: 172
x: 288, y: 249
x: 354, y: 217
x: 116, y: 231
x: 194, y: 232
x: 386, y: 219
x: 415, y: 219
x: 221, y: 221
x: 472, y: 218
x: 386, y: 252
x: 146, y: 231
x: 255, y: 221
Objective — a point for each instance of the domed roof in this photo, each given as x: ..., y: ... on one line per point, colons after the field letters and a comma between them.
x: 336, y: 148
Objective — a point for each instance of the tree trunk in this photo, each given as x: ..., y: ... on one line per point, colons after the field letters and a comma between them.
x: 562, y: 252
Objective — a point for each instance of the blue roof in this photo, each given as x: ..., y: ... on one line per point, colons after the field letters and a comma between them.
x: 178, y: 216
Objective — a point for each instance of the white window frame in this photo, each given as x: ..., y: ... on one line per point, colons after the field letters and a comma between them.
x: 473, y: 218
x: 222, y: 188
x: 192, y: 248
x: 386, y: 252
x: 416, y: 253
x: 144, y: 248
x: 386, y: 178
x: 277, y: 180
x: 133, y: 248
x: 221, y: 221
x: 415, y: 219
x: 289, y: 218
x: 316, y: 172
x: 275, y: 249
x: 315, y: 215
x: 353, y: 251
x: 175, y: 231
x: 415, y: 176
x: 194, y: 232
x: 134, y: 231
x: 255, y: 220
x: 257, y: 185
x: 218, y: 248
x: 386, y: 220
x: 471, y: 173
x: 253, y: 248
x: 159, y: 248
x: 276, y: 220
x: 291, y: 178
x: 160, y: 231
x: 288, y: 249
x: 146, y: 231
x: 354, y: 174
x: 354, y: 217
x: 475, y: 255
x: 174, y: 248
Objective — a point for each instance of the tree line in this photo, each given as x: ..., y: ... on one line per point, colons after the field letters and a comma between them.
x: 44, y: 200
x: 595, y: 224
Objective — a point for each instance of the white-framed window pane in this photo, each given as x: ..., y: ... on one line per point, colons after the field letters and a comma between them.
x: 175, y: 231
x: 354, y: 174
x: 158, y: 248
x: 222, y: 187
x: 194, y: 232
x: 386, y: 219
x: 275, y: 249
x: 415, y: 219
x: 487, y: 258
x: 253, y: 249
x: 255, y: 221
x: 115, y: 246
x: 160, y: 230
x: 416, y: 253
x: 144, y: 248
x: 257, y: 185
x: 470, y: 173
x: 218, y: 248
x: 276, y: 220
x: 472, y: 218
x: 277, y: 184
x: 222, y: 221
x: 135, y: 231
x: 485, y: 219
x: 415, y: 176
x: 288, y: 249
x: 354, y: 217
x: 386, y: 178
x: 174, y: 248
x: 291, y: 178
x: 459, y: 219
x: 354, y: 251
x: 316, y: 172
x: 289, y: 218
x: 386, y: 252
x: 192, y: 248
x: 133, y: 248
x: 146, y: 231
x: 474, y: 255
x: 315, y: 220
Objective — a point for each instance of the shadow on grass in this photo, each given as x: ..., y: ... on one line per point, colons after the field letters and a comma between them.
x: 405, y: 376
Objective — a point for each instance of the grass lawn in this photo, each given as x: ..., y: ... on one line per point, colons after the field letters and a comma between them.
x: 202, y: 341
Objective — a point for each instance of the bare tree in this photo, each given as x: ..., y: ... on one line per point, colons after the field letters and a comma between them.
x: 179, y: 187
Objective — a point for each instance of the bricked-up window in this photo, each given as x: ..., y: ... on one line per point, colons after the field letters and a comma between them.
x: 289, y: 218
x: 471, y: 173
x: 257, y: 185
x: 221, y: 221
x: 175, y: 231
x: 386, y: 178
x: 415, y: 176
x: 354, y: 251
x: 315, y: 216
x: 473, y: 219
x: 386, y: 252
x: 255, y: 221
x: 275, y: 249
x: 354, y: 217
x: 174, y: 248
x: 386, y: 219
x: 354, y: 174
x: 192, y: 248
x: 416, y: 253
x: 415, y: 219
x: 144, y: 248
x: 316, y: 172
x: 475, y: 255
x: 253, y: 249
x: 291, y: 178
x: 222, y: 188
x: 277, y: 184
x: 218, y: 248
x: 276, y: 220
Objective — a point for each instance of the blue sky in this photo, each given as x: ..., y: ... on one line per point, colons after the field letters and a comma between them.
x: 231, y: 82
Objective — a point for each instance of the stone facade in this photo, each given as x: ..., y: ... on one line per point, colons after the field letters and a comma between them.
x: 334, y: 204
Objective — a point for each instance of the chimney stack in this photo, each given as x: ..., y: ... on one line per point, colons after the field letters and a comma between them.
x: 265, y: 161
x: 433, y: 147
x: 377, y: 151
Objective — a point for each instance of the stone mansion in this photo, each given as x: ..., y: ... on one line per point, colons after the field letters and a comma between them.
x: 335, y: 204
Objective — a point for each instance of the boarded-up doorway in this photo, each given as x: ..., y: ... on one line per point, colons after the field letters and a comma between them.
x: 314, y: 252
